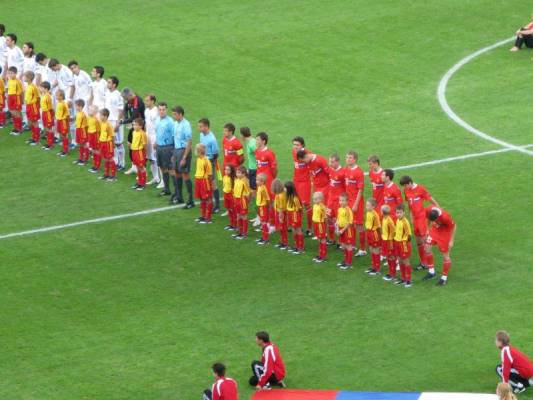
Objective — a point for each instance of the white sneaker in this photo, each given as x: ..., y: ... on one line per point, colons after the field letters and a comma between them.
x: 225, y: 213
x: 257, y: 221
x: 161, y: 185
x: 271, y: 229
x: 152, y: 181
x: 360, y: 253
x: 130, y: 171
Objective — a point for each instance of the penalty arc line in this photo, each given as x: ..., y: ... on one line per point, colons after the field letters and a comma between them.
x: 441, y: 95
x: 168, y: 208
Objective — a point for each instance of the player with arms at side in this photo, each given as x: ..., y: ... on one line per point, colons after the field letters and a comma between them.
x: 337, y: 181
x: 32, y: 101
x: 138, y: 153
x: 241, y: 199
x: 14, y: 100
x: 373, y: 235
x: 107, y: 147
x: 62, y: 121
x: 387, y: 241
x: 402, y: 242
x: 441, y: 234
x: 202, y: 185
x: 319, y: 227
x: 47, y: 114
x: 280, y: 208
x: 302, y: 181
x: 375, y: 174
x: 346, y: 231
x: 392, y: 196
x: 355, y: 186
x: 415, y: 195
x: 81, y: 132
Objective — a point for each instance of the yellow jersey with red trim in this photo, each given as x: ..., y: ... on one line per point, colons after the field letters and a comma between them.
x: 403, y: 230
x: 372, y: 221
x: 62, y: 110
x: 46, y: 103
x: 344, y: 217
x: 203, y: 168
x: 387, y: 228
x: 294, y: 204
x: 280, y: 202
x: 93, y: 125
x: 107, y: 133
x: 138, y: 140
x: 241, y: 188
x: 31, y: 95
x: 262, y: 197
x: 14, y: 86
x: 319, y: 213
x: 81, y: 120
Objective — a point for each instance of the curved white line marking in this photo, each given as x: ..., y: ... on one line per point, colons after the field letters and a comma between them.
x: 441, y: 94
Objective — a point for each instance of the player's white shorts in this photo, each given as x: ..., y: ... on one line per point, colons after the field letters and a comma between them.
x: 150, y: 152
x: 119, y: 134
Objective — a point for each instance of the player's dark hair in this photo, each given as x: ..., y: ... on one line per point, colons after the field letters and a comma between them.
x: 231, y: 172
x: 72, y: 62
x: 372, y: 201
x: 277, y: 186
x: 300, y: 140
x: 263, y: 335
x: 343, y: 196
x: 46, y: 85
x: 335, y: 156
x: 152, y: 97
x: 263, y: 136
x: 389, y: 173
x: 114, y: 80
x: 53, y: 62
x: 503, y: 337
x: 31, y: 46
x: 162, y: 104
x: 204, y: 121
x: 353, y: 154
x: 99, y: 70
x: 179, y: 110
x: 40, y: 57
x: 104, y: 112
x: 230, y: 127
x: 2, y: 29
x: 373, y: 159
x: 300, y: 155
x: 433, y: 214
x: 406, y: 180
x: 219, y: 369
x: 290, y: 189
x: 80, y: 102
x: 12, y: 69
x: 12, y: 36
x: 60, y: 93
x: 385, y: 209
x: 245, y: 131
x: 139, y: 121
x: 30, y: 74
x: 1, y: 69
x: 399, y: 207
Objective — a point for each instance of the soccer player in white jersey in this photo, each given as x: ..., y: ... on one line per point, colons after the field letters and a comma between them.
x: 3, y: 48
x: 98, y: 87
x: 42, y: 72
x: 14, y: 55
x: 115, y: 104
x: 28, y: 65
x: 150, y: 119
x: 82, y: 84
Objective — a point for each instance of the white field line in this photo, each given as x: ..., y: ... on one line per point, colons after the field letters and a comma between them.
x: 168, y: 208
x: 441, y: 95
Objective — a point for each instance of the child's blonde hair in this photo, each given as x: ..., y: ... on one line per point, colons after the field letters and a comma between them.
x: 318, y: 197
x: 200, y: 149
x: 385, y: 209
x: 261, y: 177
x: 372, y: 201
x: 505, y: 392
x: 60, y: 93
x: 30, y: 75
x: 93, y: 110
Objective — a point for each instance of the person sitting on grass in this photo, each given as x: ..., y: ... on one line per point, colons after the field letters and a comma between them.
x: 524, y: 36
x: 270, y: 371
x: 223, y: 388
x: 516, y: 369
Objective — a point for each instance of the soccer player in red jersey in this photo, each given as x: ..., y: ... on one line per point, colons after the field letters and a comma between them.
x: 224, y: 388
x: 270, y: 371
x: 402, y: 242
x: 441, y: 234
x: 355, y: 184
x: 346, y: 231
x: 415, y: 195
x: 266, y: 160
x: 302, y: 181
x: 14, y: 99
x: 516, y: 368
x: 375, y: 174
x: 373, y: 234
x: 233, y: 152
x: 392, y: 196
x: 336, y: 187
x: 318, y: 170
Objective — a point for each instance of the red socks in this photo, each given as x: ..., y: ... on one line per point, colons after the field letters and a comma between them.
x: 2, y: 117
x: 348, y: 256
x: 392, y: 267
x: 141, y: 177
x: 408, y: 272
x: 322, y: 250
x: 35, y: 133
x: 244, y: 226
x: 209, y: 211
x: 264, y: 231
x: 283, y: 232
x: 110, y: 168
x: 97, y: 160
x: 64, y: 143
x: 446, y: 265
x: 331, y: 232
x: 362, y: 240
x: 421, y: 253
x: 17, y: 123
x: 375, y: 262
x: 402, y: 271
x: 232, y: 218
x: 299, y: 241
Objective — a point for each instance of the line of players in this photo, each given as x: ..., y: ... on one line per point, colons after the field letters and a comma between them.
x: 332, y: 198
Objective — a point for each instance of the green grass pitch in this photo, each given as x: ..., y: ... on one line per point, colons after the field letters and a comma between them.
x: 140, y: 308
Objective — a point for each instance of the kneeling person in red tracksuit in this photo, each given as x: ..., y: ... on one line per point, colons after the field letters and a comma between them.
x: 223, y: 388
x: 516, y: 368
x: 270, y: 371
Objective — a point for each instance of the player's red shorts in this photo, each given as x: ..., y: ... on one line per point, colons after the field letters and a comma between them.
x: 332, y: 206
x: 348, y: 236
x: 440, y: 239
x: 138, y: 157
x: 319, y: 229
x: 81, y: 135
x: 202, y: 188
x: 420, y: 226
x: 2, y: 101
x: 92, y: 138
x: 324, y: 190
x: 62, y: 126
x: 304, y: 191
x: 403, y: 249
x: 280, y: 221
x: 48, y: 119
x: 241, y: 205
x: 295, y: 218
x: 14, y: 102
x: 32, y: 112
x: 373, y: 238
x: 387, y: 248
x: 228, y: 201
x: 359, y: 214
x: 263, y: 213
x: 107, y: 149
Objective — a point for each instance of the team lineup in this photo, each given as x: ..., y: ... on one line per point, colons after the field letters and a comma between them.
x: 63, y: 105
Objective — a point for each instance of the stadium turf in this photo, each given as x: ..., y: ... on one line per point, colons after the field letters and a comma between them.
x: 140, y: 308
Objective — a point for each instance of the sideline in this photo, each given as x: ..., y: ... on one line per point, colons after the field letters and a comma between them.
x: 168, y: 208
x: 441, y: 95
